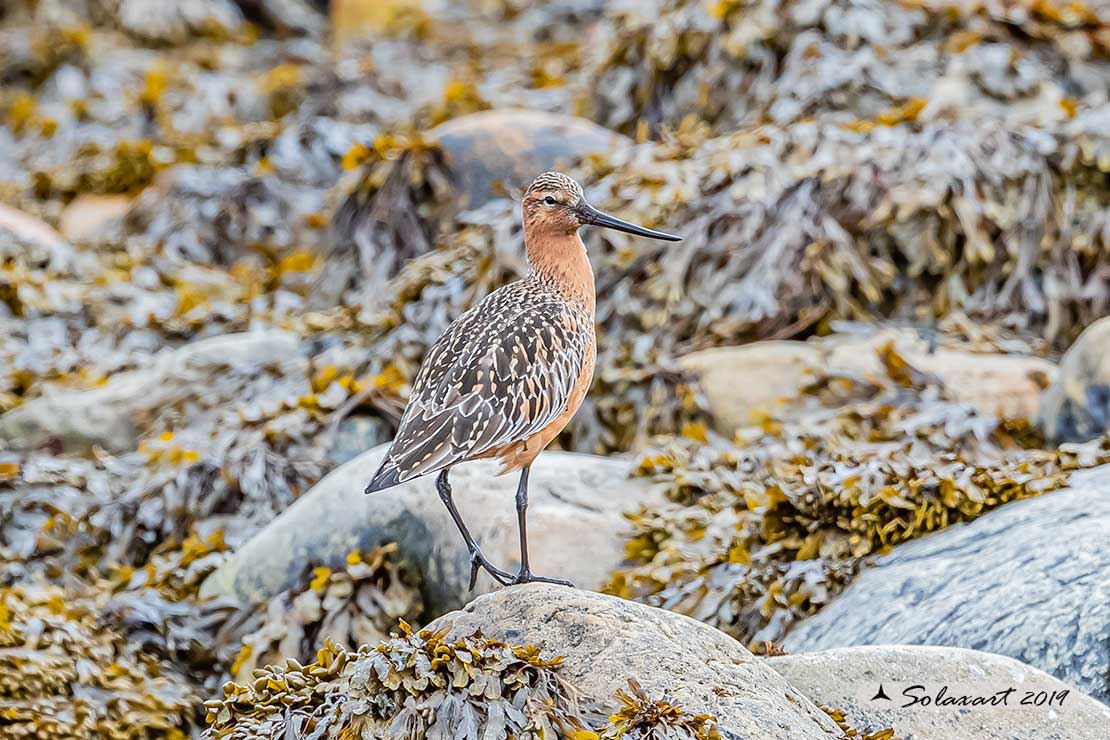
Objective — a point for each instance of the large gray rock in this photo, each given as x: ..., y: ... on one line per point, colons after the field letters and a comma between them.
x: 1076, y: 407
x: 605, y: 641
x: 1030, y: 580
x: 849, y: 678
x: 108, y: 416
x: 575, y: 526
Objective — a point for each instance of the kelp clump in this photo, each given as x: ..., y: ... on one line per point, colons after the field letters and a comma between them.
x: 355, y: 605
x: 742, y: 63
x: 64, y: 675
x: 640, y: 717
x: 767, y: 528
x: 403, y: 687
x: 421, y: 684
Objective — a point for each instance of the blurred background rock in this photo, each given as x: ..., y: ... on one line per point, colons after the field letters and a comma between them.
x: 230, y: 229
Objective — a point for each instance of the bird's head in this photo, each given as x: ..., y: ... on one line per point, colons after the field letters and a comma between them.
x: 555, y: 205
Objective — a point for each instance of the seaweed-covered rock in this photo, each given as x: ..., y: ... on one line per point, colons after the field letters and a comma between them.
x: 64, y: 673
x: 768, y: 60
x: 414, y: 685
x: 740, y: 382
x: 605, y: 641
x: 1031, y: 581
x: 1076, y: 407
x: 1007, y: 385
x: 575, y: 526
x: 1036, y: 705
x: 444, y: 682
x: 176, y: 22
x: 825, y: 160
x: 766, y: 526
x: 108, y: 416
x: 391, y: 210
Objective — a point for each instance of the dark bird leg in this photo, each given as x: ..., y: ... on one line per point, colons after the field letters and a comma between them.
x: 524, y: 575
x: 477, y: 559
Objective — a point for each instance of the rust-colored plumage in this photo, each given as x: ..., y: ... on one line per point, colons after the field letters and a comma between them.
x: 509, y: 374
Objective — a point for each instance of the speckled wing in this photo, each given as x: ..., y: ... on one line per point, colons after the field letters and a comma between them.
x: 500, y: 374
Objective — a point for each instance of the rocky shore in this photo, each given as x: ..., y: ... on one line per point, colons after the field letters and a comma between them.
x: 850, y: 432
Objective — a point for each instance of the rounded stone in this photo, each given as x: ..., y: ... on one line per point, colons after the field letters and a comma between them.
x: 576, y: 526
x: 605, y: 641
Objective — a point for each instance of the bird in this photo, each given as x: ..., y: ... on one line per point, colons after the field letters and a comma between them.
x: 507, y: 376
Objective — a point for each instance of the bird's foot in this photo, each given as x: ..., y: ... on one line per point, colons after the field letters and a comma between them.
x: 526, y: 576
x: 478, y: 560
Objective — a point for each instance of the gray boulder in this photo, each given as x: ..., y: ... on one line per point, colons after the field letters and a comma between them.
x: 605, y: 641
x: 1030, y: 580
x: 575, y: 526
x: 1076, y: 407
x: 848, y: 679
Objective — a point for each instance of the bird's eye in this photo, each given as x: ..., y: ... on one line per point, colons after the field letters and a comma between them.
x: 550, y: 201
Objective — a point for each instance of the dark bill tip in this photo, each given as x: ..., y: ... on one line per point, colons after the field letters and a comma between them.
x: 594, y: 217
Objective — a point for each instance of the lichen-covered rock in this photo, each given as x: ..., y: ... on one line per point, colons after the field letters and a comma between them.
x: 605, y: 641
x: 1027, y: 702
x: 1031, y: 581
x: 575, y: 526
x: 1076, y: 407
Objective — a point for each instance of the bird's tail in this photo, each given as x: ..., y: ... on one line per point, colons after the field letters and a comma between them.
x: 388, y: 475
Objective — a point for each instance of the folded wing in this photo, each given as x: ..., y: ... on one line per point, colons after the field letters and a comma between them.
x: 483, y: 387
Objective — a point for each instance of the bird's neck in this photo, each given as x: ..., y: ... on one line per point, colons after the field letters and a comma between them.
x: 561, y: 259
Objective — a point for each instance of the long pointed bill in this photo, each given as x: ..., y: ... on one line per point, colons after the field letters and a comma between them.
x: 590, y: 215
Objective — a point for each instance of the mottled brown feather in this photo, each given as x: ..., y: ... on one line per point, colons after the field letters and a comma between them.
x: 504, y: 371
